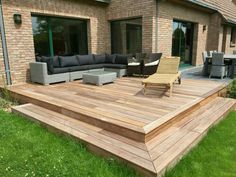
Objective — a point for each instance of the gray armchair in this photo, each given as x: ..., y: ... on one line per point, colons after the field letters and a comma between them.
x: 218, y: 69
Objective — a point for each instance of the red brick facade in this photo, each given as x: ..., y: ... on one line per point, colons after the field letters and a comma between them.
x: 157, y: 22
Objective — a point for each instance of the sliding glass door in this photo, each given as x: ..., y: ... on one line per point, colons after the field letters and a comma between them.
x: 59, y: 36
x: 126, y: 36
x: 182, y: 41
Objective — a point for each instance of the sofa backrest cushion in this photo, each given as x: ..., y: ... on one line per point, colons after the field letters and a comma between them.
x: 121, y: 59
x: 66, y: 61
x: 100, y: 58
x: 110, y: 58
x: 49, y: 62
x: 38, y: 58
x: 55, y: 62
x: 86, y: 59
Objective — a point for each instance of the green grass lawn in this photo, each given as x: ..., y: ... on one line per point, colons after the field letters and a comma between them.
x: 215, y: 156
x: 233, y: 89
x: 27, y: 149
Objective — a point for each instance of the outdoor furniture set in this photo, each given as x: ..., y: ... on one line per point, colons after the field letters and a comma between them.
x: 219, y: 64
x: 47, y: 70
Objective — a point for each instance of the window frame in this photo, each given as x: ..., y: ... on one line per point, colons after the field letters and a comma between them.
x: 233, y: 37
x: 50, y: 31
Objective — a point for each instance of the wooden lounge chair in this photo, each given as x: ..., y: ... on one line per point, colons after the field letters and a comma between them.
x: 167, y: 73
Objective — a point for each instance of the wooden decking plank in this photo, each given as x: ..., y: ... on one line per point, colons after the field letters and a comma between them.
x: 175, y: 151
x: 90, y: 130
x: 87, y: 111
x: 83, y: 135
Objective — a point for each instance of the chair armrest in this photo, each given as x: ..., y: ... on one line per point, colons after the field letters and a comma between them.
x: 38, y: 72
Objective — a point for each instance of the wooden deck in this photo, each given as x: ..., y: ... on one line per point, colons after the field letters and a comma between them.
x: 149, y: 132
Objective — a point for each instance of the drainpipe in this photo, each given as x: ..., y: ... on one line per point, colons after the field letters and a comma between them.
x: 157, y: 9
x: 4, y: 47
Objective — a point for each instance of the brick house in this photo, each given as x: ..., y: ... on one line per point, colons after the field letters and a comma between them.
x: 60, y: 27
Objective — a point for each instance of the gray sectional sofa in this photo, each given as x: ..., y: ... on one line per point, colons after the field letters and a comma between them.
x: 47, y: 70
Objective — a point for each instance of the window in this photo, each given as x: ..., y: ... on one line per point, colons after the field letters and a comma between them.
x: 59, y: 36
x: 233, y: 37
x: 126, y: 36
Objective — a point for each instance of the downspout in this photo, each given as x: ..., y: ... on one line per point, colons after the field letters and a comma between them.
x: 4, y: 47
x: 156, y: 42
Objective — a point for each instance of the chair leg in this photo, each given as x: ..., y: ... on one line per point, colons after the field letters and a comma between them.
x: 171, y: 89
x: 144, y: 89
x: 179, y: 79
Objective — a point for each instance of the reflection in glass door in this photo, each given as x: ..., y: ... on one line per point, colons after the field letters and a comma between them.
x: 182, y: 41
x: 126, y: 36
x: 133, y: 38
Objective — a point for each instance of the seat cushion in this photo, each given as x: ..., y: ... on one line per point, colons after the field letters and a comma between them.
x: 96, y: 66
x: 79, y: 68
x: 110, y: 58
x: 67, y: 61
x: 61, y: 70
x: 116, y: 66
x: 100, y: 59
x: 154, y: 63
x: 121, y: 59
x: 134, y: 64
x: 86, y: 59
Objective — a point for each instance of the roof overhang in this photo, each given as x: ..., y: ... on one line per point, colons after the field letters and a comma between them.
x: 202, y: 4
x: 195, y: 4
x: 229, y: 21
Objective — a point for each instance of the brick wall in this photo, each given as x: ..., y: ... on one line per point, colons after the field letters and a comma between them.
x: 221, y: 34
x: 228, y: 48
x: 123, y: 9
x: 20, y: 39
x: 167, y: 12
x: 213, y: 41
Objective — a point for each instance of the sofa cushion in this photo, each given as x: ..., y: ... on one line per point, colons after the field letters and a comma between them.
x: 49, y: 62
x: 61, y: 70
x: 55, y: 62
x: 85, y: 59
x: 116, y: 66
x: 79, y: 68
x: 110, y: 58
x: 96, y: 66
x: 99, y: 58
x: 121, y: 59
x: 67, y: 61
x: 38, y: 58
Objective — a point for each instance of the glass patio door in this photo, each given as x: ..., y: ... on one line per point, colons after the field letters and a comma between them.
x: 133, y: 38
x: 182, y: 41
x: 126, y: 36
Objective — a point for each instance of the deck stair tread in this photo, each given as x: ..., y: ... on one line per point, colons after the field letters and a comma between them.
x: 154, y: 156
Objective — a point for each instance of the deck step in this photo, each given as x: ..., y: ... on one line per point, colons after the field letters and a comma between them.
x: 170, y: 145
x: 123, y: 148
x: 151, y: 158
